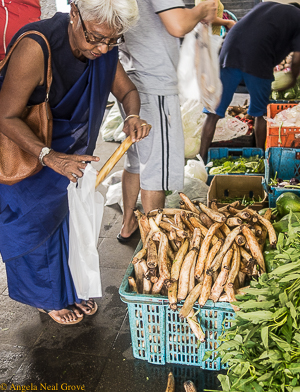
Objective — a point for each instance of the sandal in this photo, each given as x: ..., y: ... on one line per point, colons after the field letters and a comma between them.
x: 93, y: 308
x: 58, y: 321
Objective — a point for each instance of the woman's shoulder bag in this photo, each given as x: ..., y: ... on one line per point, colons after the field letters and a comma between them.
x: 15, y: 163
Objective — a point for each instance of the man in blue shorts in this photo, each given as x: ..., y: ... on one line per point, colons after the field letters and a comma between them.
x: 252, y: 48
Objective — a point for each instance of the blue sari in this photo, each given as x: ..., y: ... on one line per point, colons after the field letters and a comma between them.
x: 34, y: 230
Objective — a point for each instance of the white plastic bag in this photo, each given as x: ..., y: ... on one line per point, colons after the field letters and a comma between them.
x: 192, y: 123
x: 86, y: 211
x: 207, y: 66
x: 229, y: 128
x: 196, y: 169
x: 193, y: 188
x: 186, y: 71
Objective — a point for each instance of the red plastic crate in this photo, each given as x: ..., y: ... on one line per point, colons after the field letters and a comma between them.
x: 288, y: 136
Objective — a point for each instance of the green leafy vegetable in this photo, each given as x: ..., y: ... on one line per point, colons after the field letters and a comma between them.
x: 230, y: 164
x: 262, y: 347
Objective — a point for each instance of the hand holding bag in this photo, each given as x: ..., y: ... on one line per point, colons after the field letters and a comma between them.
x: 207, y: 66
x: 15, y: 163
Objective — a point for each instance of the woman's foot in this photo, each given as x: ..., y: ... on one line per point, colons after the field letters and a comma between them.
x: 64, y: 316
x: 87, y: 307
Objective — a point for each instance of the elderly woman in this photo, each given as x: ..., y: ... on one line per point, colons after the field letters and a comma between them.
x: 34, y: 212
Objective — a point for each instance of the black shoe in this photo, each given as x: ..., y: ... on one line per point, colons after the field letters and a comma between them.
x: 124, y: 240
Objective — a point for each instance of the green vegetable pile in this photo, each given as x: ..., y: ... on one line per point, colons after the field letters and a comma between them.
x: 245, y: 201
x: 230, y: 164
x: 262, y: 348
x: 291, y: 93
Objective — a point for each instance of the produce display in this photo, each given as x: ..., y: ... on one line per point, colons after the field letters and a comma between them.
x: 195, y: 253
x: 287, y: 118
x: 292, y: 183
x: 287, y: 202
x: 230, y: 252
x: 262, y: 347
x: 240, y: 112
x: 231, y: 164
x: 283, y: 78
x: 244, y: 201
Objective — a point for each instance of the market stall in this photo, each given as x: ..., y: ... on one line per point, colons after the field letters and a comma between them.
x: 215, y: 285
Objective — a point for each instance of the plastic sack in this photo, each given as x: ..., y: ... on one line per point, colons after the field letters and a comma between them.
x: 229, y: 128
x: 113, y: 183
x: 86, y: 211
x: 207, y: 66
x: 186, y: 71
x: 193, y: 188
x: 288, y: 118
x: 196, y: 169
x: 192, y: 123
x: 112, y: 127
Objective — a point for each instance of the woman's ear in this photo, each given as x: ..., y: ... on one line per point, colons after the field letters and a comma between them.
x: 73, y: 12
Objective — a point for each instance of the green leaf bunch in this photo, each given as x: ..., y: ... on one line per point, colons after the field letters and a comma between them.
x: 230, y: 164
x: 262, y: 347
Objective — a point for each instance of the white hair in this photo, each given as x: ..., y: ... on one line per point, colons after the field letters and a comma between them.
x: 120, y: 15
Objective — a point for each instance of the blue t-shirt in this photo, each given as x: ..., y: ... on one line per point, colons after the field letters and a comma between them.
x: 262, y: 39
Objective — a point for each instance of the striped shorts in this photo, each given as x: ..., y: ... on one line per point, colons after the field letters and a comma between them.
x: 159, y: 158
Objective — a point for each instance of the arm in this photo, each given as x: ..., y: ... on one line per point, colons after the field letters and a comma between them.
x: 220, y: 21
x: 18, y: 85
x: 180, y: 21
x: 126, y: 93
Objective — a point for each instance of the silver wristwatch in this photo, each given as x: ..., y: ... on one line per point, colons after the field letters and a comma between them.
x: 44, y: 151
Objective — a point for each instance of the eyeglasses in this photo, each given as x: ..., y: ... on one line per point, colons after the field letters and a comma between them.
x: 91, y: 39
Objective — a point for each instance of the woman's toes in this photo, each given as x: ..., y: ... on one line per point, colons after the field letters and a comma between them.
x: 76, y: 311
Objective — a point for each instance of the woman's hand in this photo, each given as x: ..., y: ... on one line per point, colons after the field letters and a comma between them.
x: 70, y: 166
x: 230, y: 23
x: 136, y: 128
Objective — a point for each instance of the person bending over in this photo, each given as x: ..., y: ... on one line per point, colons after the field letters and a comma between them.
x: 251, y: 49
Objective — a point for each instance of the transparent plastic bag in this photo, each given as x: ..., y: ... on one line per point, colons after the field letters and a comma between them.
x: 207, y: 66
x: 229, y: 128
x: 112, y: 127
x: 186, y: 71
x: 193, y: 188
x: 192, y: 123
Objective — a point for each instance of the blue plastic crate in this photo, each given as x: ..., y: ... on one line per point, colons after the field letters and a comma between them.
x: 286, y: 162
x: 159, y: 336
x: 223, y: 152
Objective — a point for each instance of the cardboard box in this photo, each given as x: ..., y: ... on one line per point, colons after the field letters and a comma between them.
x: 237, y: 187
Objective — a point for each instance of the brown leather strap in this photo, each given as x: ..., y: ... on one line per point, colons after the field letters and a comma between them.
x: 49, y: 69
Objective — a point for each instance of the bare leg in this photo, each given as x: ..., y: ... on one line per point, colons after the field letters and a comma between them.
x: 130, y: 190
x: 260, y: 132
x: 207, y: 134
x: 152, y: 200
